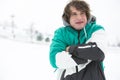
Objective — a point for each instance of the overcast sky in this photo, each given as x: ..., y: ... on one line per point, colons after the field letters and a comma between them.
x: 46, y: 14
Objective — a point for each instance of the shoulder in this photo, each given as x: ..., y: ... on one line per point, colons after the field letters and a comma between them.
x: 99, y: 36
x: 99, y: 30
x: 59, y: 30
x: 59, y: 33
x: 97, y: 26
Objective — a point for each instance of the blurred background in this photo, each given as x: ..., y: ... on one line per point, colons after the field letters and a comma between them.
x: 26, y: 30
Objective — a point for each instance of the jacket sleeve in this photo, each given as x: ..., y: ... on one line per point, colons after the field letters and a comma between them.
x: 88, y: 51
x: 99, y: 37
x: 58, y: 57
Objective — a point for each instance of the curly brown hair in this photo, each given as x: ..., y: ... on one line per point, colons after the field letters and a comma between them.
x: 79, y: 5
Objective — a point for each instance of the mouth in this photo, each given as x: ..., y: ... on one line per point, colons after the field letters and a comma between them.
x: 79, y: 22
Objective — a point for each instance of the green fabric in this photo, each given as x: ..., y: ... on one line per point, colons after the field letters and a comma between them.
x: 66, y: 36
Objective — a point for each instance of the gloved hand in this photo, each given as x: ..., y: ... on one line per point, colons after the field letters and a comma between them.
x: 73, y: 50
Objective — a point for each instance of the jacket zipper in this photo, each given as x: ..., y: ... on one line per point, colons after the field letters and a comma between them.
x: 78, y: 43
x: 79, y: 37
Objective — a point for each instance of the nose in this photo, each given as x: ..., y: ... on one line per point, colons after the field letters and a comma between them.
x: 79, y: 17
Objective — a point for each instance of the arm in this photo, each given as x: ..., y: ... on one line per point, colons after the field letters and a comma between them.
x: 59, y: 58
x: 100, y: 37
x: 88, y: 51
x: 96, y: 54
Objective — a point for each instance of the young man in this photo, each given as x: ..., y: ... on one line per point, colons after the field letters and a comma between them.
x: 80, y: 28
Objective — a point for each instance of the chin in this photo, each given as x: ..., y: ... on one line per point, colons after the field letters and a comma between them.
x: 79, y: 28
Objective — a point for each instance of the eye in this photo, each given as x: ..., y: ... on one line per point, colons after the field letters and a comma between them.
x: 73, y: 14
x: 82, y: 13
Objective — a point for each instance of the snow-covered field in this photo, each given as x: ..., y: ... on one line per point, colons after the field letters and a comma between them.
x: 27, y: 61
x: 112, y: 64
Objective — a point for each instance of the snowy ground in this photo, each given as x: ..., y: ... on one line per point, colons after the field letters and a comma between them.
x: 112, y: 64
x: 26, y: 61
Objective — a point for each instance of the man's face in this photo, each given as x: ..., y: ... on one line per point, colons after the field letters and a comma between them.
x: 78, y: 19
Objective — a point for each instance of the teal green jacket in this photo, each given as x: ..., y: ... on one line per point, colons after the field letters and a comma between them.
x: 67, y: 36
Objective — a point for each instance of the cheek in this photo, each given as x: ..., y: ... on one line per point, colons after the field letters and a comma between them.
x: 72, y: 20
x: 85, y: 18
x: 85, y: 21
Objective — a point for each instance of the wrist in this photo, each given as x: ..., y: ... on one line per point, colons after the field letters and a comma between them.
x: 72, y: 49
x: 67, y: 49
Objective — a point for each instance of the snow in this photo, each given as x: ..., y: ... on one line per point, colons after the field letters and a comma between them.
x: 112, y: 63
x: 29, y: 61
x: 24, y: 61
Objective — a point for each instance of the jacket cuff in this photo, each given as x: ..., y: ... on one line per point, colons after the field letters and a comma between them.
x: 72, y: 49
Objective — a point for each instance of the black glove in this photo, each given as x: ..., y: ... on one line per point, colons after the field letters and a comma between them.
x: 82, y: 52
x: 72, y: 51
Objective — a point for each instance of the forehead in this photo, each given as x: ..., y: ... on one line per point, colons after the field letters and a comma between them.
x: 73, y: 9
